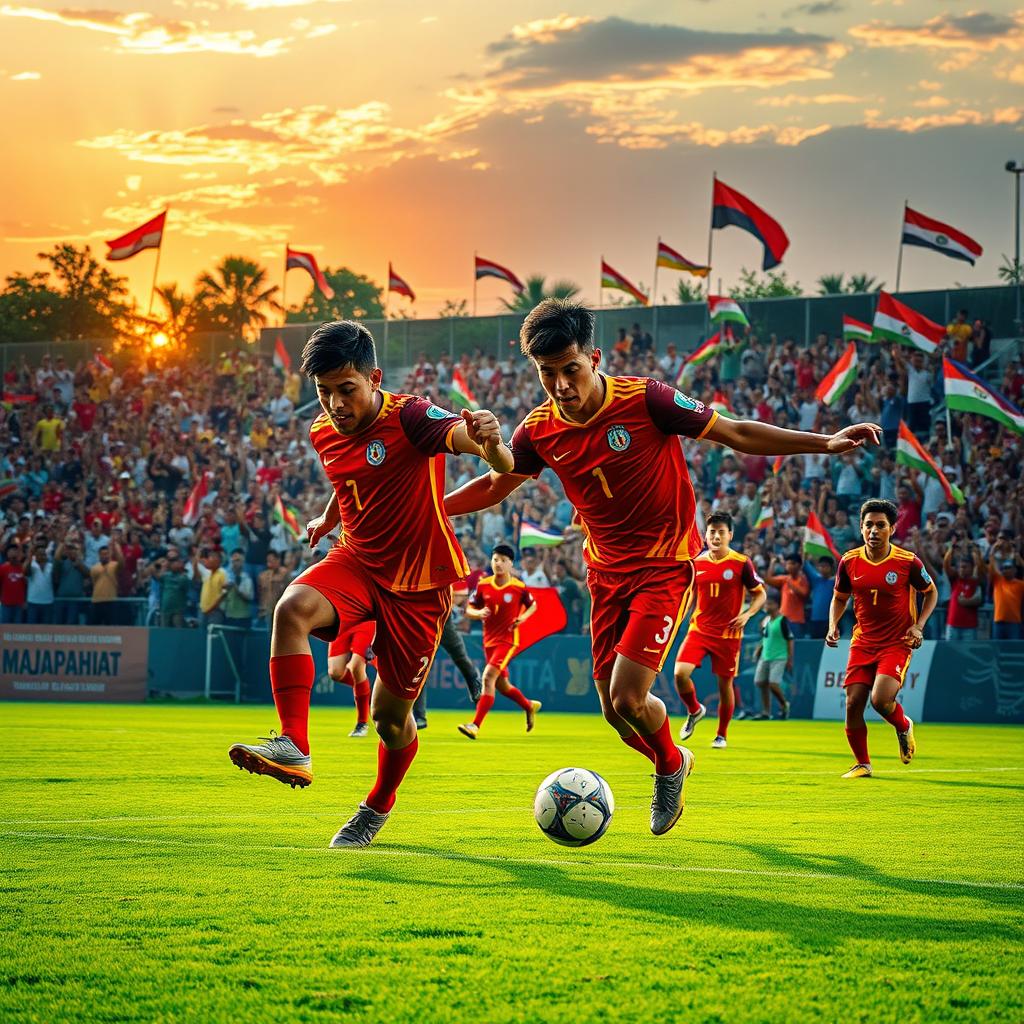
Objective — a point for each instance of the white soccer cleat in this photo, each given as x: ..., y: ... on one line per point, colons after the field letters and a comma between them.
x: 718, y: 743
x: 686, y: 729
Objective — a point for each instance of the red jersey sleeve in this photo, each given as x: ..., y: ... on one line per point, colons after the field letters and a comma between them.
x: 428, y: 427
x: 843, y: 584
x: 476, y: 600
x: 526, y: 601
x: 525, y: 460
x: 672, y: 412
x: 920, y: 579
x: 749, y: 576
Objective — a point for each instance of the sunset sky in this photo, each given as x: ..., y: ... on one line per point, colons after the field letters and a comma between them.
x: 541, y: 135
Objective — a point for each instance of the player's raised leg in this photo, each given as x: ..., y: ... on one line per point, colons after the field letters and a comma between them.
x: 857, y: 730
x: 286, y: 757
x: 883, y: 700
x: 687, y: 691
x: 726, y: 704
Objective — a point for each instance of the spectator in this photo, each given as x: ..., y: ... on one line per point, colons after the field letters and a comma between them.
x: 49, y: 430
x: 1005, y: 566
x: 95, y: 541
x: 822, y: 577
x: 964, y: 573
x: 213, y: 590
x: 238, y: 593
x: 960, y: 333
x: 39, y: 594
x: 103, y: 611
x: 569, y: 594
x: 69, y: 576
x: 917, y: 378
x: 981, y: 347
x: 773, y: 656
x: 533, y: 574
x: 13, y: 586
x: 670, y: 363
x: 272, y: 583
x: 891, y: 414
x: 174, y: 589
x: 794, y: 589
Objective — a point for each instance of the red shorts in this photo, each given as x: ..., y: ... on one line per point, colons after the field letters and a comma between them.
x: 409, y: 624
x: 636, y: 614
x: 865, y: 663
x: 723, y: 651
x: 357, y: 639
x: 499, y: 654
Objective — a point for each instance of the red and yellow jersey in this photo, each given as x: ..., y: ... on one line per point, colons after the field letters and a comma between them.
x: 505, y: 603
x: 389, y: 479
x: 721, y: 586
x: 884, y: 598
x: 623, y: 470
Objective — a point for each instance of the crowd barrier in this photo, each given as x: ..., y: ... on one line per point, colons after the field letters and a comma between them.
x: 981, y: 681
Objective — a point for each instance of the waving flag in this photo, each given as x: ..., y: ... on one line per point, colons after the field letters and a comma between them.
x: 777, y: 464
x: 531, y: 535
x: 295, y: 260
x: 287, y: 515
x: 854, y: 330
x: 549, y: 617
x: 669, y: 258
x: 839, y: 378
x: 460, y: 394
x: 817, y: 541
x: 611, y: 278
x: 190, y: 514
x: 933, y: 234
x: 910, y: 452
x: 397, y: 284
x: 726, y: 310
x: 702, y: 354
x: 731, y: 208
x: 720, y: 403
x: 8, y: 485
x: 765, y: 518
x: 102, y: 363
x: 488, y: 268
x: 148, y: 236
x: 282, y: 360
x: 898, y: 323
x: 967, y: 392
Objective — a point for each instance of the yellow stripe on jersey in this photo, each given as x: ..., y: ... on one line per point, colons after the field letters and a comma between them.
x: 457, y: 561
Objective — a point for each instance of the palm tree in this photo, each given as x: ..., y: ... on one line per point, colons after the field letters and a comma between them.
x: 830, y: 284
x: 180, y: 321
x: 1009, y: 270
x: 536, y: 291
x: 860, y: 283
x: 235, y: 296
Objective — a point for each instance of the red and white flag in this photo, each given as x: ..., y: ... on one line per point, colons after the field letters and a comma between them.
x: 933, y: 234
x: 190, y: 515
x: 399, y: 285
x: 488, y: 268
x: 282, y: 360
x: 295, y: 260
x: 148, y: 236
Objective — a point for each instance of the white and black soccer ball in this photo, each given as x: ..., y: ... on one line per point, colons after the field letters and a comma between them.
x: 574, y: 807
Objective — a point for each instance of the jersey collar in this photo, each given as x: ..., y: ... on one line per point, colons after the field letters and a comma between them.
x: 609, y: 390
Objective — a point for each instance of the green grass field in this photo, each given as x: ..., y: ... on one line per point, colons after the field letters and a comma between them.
x: 147, y: 879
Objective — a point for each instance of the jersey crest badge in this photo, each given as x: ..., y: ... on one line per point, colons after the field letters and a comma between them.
x: 375, y: 452
x: 891, y: 578
x: 507, y: 598
x: 618, y: 438
x: 727, y: 575
x: 434, y: 413
x: 686, y: 402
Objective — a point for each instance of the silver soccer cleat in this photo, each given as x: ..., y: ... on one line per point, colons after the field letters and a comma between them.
x: 668, y: 802
x: 360, y: 830
x: 278, y: 757
x: 686, y: 730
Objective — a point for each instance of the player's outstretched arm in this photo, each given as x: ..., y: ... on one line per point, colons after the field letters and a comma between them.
x: 479, y: 434
x: 483, y: 492
x: 916, y: 632
x: 754, y: 438
x: 835, y: 613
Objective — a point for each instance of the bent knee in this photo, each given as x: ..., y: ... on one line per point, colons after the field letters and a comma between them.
x: 628, y: 705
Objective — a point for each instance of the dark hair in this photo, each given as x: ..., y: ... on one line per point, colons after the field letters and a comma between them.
x: 773, y: 594
x: 887, y: 508
x: 238, y: 551
x: 337, y: 345
x: 554, y: 325
x: 504, y: 549
x: 827, y: 558
x: 722, y: 518
x: 793, y: 557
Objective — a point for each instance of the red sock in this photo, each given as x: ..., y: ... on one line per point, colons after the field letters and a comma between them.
x: 898, y: 720
x: 638, y: 743
x: 483, y: 705
x: 291, y: 679
x: 690, y: 701
x: 362, y: 691
x: 858, y: 740
x: 391, y: 768
x: 667, y: 758
x: 724, y: 716
x: 515, y: 695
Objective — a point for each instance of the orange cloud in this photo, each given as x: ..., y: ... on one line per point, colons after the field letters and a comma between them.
x: 965, y: 116
x: 975, y: 31
x: 818, y: 99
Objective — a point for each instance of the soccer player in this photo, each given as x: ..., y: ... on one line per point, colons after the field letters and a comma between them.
x: 395, y: 563
x: 504, y: 604
x: 882, y: 579
x: 724, y: 578
x: 614, y: 444
x: 348, y: 654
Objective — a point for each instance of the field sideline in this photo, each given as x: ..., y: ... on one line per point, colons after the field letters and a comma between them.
x: 145, y: 878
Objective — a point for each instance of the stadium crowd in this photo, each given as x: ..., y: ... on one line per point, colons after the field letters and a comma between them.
x: 170, y: 492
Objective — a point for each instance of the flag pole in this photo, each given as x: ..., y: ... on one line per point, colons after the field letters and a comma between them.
x: 156, y: 266
x: 711, y: 236
x: 654, y: 292
x: 899, y: 259
x: 387, y: 296
x: 474, y: 282
x: 284, y: 288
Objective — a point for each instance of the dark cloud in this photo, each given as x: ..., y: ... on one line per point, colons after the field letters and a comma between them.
x: 615, y: 48
x: 980, y: 24
x: 816, y: 8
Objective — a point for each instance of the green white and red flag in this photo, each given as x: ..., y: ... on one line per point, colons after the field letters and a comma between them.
x: 854, y: 330
x: 726, y: 310
x: 708, y: 350
x: 817, y: 541
x: 720, y: 403
x: 611, y: 278
x: 896, y: 322
x: 910, y: 452
x: 287, y: 515
x: 967, y: 392
x: 461, y: 394
x: 765, y: 518
x: 839, y: 378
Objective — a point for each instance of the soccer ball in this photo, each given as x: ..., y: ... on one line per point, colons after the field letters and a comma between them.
x: 574, y: 807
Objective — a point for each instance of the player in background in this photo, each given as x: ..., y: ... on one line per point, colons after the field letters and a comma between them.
x: 774, y: 656
x: 455, y: 647
x: 614, y: 444
x: 724, y: 579
x: 348, y: 654
x: 395, y: 563
x: 503, y: 604
x: 883, y: 580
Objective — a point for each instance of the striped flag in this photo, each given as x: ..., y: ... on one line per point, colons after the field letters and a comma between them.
x: 147, y: 236
x: 102, y: 363
x: 895, y: 322
x: 817, y: 541
x: 287, y: 515
x: 967, y: 392
x: 611, y: 278
x: 777, y: 464
x: 854, y: 330
x: 726, y: 310
x: 398, y: 285
x: 910, y: 452
x: 460, y: 393
x: 282, y: 360
x: 720, y: 403
x: 839, y: 378
x: 732, y: 208
x: 765, y: 518
x: 190, y: 514
x: 532, y: 535
x: 488, y: 268
x: 708, y: 350
x: 295, y: 260
x: 672, y: 260
x: 933, y: 234
x: 8, y: 485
